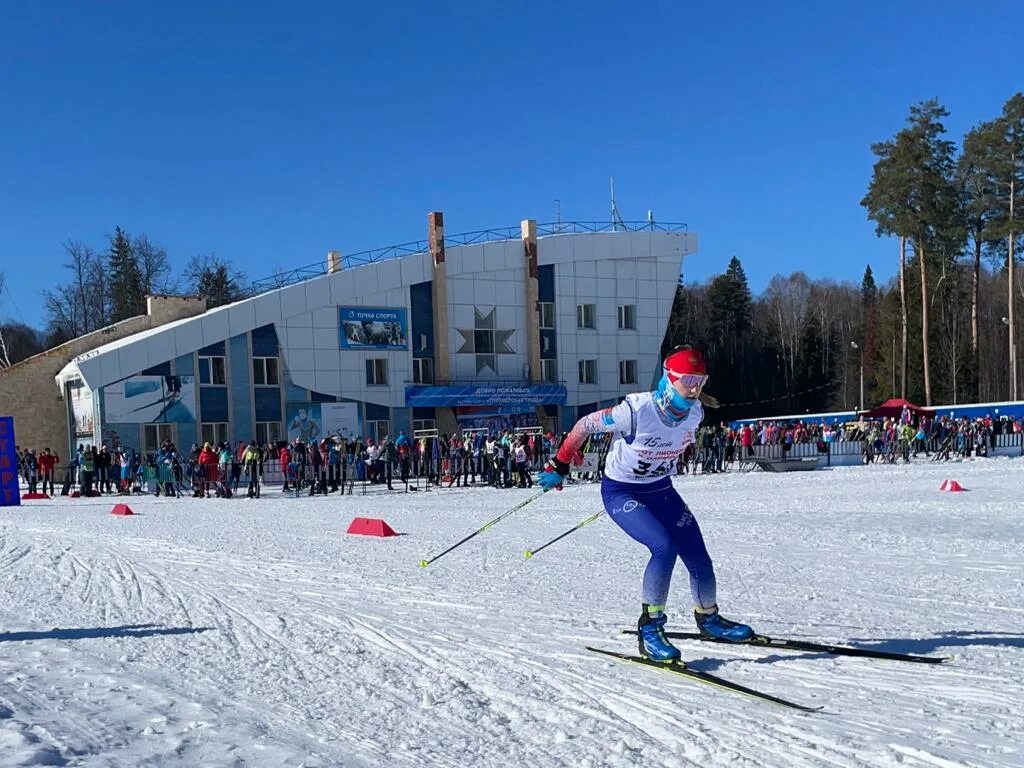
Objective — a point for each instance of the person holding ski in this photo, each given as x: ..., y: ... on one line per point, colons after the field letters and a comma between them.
x: 653, y: 429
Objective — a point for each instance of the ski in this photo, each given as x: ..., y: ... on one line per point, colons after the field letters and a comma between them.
x: 679, y: 668
x: 785, y: 644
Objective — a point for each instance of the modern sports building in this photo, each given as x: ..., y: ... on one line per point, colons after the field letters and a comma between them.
x: 527, y: 326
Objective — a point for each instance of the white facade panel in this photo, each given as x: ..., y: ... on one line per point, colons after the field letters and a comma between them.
x: 318, y: 292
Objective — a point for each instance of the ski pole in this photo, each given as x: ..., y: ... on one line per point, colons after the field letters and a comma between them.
x: 498, y: 519
x: 531, y: 552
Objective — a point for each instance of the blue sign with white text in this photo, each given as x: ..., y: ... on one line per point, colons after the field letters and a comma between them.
x: 373, y: 328
x: 485, y: 394
x: 10, y: 493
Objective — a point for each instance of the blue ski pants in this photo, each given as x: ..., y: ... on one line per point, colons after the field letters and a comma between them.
x: 656, y: 516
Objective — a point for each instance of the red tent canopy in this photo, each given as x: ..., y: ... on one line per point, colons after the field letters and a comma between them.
x: 894, y: 408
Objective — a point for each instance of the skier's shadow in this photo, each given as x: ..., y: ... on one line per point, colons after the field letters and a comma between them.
x: 128, y: 630
x: 951, y: 639
x: 921, y: 646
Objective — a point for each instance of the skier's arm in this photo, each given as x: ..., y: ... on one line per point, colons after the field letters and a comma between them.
x: 619, y: 419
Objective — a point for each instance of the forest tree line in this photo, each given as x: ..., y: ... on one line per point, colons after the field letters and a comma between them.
x: 942, y: 331
x: 108, y: 285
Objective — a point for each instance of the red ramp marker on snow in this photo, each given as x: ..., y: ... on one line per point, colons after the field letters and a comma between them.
x: 370, y: 526
x: 951, y: 485
x: 121, y: 509
x: 35, y: 496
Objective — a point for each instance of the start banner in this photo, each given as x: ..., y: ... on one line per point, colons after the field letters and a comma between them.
x: 10, y: 492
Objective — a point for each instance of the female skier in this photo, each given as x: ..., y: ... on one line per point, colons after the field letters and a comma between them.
x: 655, y: 427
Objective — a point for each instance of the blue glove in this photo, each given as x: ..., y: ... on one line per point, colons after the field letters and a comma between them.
x: 553, y: 475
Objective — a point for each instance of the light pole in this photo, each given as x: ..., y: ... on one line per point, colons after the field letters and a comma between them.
x: 853, y: 344
x: 1013, y: 358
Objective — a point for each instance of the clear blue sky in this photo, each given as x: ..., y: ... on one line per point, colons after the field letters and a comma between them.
x: 268, y: 133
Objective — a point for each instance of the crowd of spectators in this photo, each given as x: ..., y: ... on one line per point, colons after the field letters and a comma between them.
x: 506, y: 459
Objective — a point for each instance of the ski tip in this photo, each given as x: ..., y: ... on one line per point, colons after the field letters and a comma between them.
x: 424, y: 563
x: 528, y: 554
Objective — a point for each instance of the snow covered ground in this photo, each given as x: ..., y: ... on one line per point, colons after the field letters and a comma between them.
x: 223, y: 633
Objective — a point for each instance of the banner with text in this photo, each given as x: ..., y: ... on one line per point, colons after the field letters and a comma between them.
x: 373, y: 328
x: 485, y: 394
x: 10, y: 493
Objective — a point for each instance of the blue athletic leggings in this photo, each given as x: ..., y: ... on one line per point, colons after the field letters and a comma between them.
x: 656, y: 516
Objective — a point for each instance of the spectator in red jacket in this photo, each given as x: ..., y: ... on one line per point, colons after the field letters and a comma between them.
x: 207, y: 468
x: 47, y: 462
x: 284, y: 456
x: 747, y: 441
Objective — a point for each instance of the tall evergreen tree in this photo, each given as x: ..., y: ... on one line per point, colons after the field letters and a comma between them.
x: 868, y: 328
x: 729, y: 330
x: 124, y: 279
x: 215, y: 280
x: 912, y: 195
x: 980, y: 202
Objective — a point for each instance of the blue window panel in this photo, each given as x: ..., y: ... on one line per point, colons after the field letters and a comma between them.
x: 268, y: 403
x: 164, y: 369
x: 400, y: 420
x: 213, y: 404
x: 187, y: 435
x: 420, y: 414
x: 264, y: 342
x: 421, y: 301
x: 241, y: 374
x: 320, y: 397
x: 376, y: 412
x: 546, y: 283
x: 204, y: 371
x: 185, y: 365
x: 214, y: 350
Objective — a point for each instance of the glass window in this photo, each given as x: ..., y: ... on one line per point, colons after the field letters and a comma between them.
x: 215, y: 432
x: 155, y: 434
x: 264, y: 371
x: 211, y: 371
x: 586, y: 315
x: 627, y: 371
x: 422, y: 424
x: 627, y: 316
x: 378, y: 430
x: 377, y: 372
x: 549, y: 370
x: 268, y: 432
x: 547, y: 314
x: 588, y: 371
x: 423, y: 370
x: 483, y: 342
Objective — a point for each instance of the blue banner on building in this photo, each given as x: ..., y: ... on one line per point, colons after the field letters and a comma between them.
x: 10, y: 493
x: 373, y: 328
x: 485, y: 394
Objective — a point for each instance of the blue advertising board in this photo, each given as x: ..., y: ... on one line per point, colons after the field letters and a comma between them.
x: 485, y: 394
x: 373, y: 328
x: 10, y: 493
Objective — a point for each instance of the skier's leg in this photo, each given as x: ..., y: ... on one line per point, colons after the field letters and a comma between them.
x: 630, y: 511
x: 627, y: 506
x: 673, y: 513
x: 688, y: 541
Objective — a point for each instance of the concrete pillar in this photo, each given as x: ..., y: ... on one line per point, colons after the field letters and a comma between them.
x: 333, y: 262
x: 532, y: 293
x: 439, y: 292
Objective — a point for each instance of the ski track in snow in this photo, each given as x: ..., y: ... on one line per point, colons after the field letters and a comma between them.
x: 238, y: 633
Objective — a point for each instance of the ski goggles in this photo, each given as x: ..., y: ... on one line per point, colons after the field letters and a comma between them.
x: 690, y: 384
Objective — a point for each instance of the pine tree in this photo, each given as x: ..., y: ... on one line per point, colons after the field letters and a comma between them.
x: 868, y: 328
x: 912, y: 195
x: 124, y: 279
x: 214, y: 280
x: 729, y: 332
